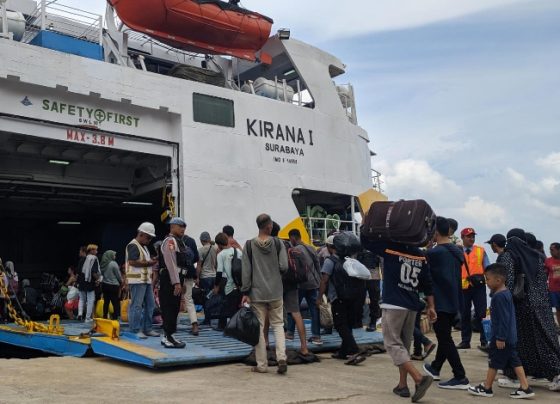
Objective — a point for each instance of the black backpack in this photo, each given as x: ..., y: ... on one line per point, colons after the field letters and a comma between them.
x: 236, y: 269
x: 346, y: 287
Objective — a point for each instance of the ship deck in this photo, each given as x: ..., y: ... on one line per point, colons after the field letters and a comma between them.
x: 210, y: 347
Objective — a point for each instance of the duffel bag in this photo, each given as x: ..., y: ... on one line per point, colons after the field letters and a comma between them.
x: 406, y: 222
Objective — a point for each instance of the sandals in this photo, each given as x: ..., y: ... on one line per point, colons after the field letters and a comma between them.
x: 429, y: 351
x: 356, y: 359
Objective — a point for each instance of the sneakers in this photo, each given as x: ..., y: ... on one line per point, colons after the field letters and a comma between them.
x: 151, y: 333
x: 464, y: 345
x: 455, y: 384
x: 555, y: 385
x: 417, y: 357
x: 172, y: 343
x: 481, y: 391
x: 507, y: 383
x: 432, y: 372
x: 316, y: 341
x: 402, y: 392
x: 141, y: 335
x: 520, y: 393
x: 282, y: 367
x: 422, y: 388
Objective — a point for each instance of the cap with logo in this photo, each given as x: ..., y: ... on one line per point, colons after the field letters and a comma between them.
x: 178, y: 221
x: 467, y: 232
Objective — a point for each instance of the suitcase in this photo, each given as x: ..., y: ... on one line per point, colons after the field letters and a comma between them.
x: 406, y: 222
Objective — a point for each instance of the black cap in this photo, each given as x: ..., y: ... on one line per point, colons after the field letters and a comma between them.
x: 499, y: 239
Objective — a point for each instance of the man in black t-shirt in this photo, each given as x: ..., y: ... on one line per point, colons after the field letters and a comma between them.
x: 445, y: 262
x: 405, y: 275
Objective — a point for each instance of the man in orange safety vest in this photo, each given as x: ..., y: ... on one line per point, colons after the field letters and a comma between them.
x: 474, y: 288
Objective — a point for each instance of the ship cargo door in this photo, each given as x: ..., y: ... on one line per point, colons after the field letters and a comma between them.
x: 84, y: 187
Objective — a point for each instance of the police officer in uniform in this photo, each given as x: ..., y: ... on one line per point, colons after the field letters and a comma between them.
x: 175, y: 258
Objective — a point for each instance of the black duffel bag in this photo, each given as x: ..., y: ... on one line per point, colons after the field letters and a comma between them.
x: 406, y: 222
x: 244, y: 326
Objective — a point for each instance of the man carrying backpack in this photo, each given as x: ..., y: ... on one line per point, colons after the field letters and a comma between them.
x: 264, y: 262
x: 228, y: 281
x: 308, y: 290
x: 344, y: 293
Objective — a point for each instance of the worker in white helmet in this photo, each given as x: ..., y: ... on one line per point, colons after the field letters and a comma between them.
x: 139, y: 266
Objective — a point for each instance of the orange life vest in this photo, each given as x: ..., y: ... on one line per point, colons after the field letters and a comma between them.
x: 475, y: 260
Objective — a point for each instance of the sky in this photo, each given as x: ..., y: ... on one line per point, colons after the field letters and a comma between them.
x: 460, y: 99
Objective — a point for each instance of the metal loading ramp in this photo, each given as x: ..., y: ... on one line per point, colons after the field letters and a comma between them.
x: 210, y: 347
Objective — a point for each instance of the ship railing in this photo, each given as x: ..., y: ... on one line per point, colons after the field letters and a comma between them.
x: 319, y: 228
x: 346, y: 95
x: 53, y: 15
x: 377, y: 180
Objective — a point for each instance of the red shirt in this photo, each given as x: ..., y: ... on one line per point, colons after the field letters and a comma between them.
x: 552, y: 266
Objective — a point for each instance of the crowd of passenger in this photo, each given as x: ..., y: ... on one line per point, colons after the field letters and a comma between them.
x: 447, y: 281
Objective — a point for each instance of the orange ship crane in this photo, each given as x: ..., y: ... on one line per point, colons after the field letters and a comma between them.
x: 201, y: 26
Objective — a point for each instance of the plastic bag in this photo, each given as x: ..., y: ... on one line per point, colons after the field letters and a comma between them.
x: 347, y: 243
x: 356, y: 269
x: 325, y: 314
x: 244, y: 326
x: 73, y: 293
x: 213, y: 306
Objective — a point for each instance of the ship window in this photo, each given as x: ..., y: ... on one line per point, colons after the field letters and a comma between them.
x: 213, y: 110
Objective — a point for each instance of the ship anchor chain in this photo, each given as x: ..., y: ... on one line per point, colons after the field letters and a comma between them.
x: 31, y: 326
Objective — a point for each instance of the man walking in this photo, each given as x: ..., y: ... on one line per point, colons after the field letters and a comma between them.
x: 264, y: 262
x: 373, y: 286
x: 308, y: 290
x: 173, y: 257
x: 189, y: 273
x: 445, y: 261
x: 345, y: 295
x: 139, y: 266
x: 474, y: 288
x: 206, y: 269
x: 405, y: 275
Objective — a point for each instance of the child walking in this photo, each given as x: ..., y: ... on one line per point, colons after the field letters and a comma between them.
x: 503, y: 351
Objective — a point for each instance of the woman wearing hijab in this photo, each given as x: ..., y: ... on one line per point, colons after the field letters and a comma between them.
x: 88, y: 276
x: 111, y: 284
x: 537, y: 339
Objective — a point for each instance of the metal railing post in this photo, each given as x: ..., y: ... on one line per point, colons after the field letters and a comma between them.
x: 353, y: 210
x: 100, y: 19
x: 43, y: 14
x: 5, y: 33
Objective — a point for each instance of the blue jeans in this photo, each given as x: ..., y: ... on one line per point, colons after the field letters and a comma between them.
x: 141, y: 308
x: 310, y: 296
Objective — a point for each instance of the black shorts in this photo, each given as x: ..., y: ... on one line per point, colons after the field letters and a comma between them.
x: 503, y: 358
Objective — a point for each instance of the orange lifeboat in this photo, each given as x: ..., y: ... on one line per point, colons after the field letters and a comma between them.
x: 202, y: 26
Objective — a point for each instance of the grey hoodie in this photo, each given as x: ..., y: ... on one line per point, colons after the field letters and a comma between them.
x: 262, y: 269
